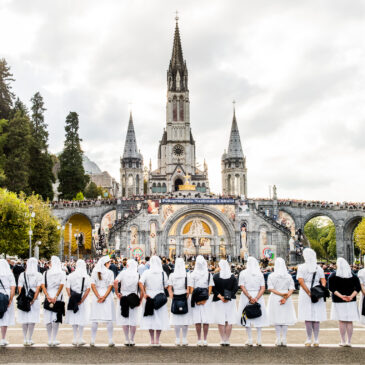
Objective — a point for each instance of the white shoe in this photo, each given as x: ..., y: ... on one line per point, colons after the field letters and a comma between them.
x: 132, y: 343
x: 177, y: 342
x: 277, y: 342
x: 199, y: 343
x: 283, y: 343
x: 111, y: 344
x: 227, y: 343
x: 157, y: 344
x: 81, y: 343
x: 185, y: 342
x: 127, y: 343
x: 342, y: 344
x: 348, y: 345
x: 56, y: 343
x: 74, y: 343
x: 50, y: 343
x: 258, y: 343
x: 223, y: 343
x: 25, y: 343
x: 308, y: 343
x: 205, y: 343
x: 92, y: 344
x: 316, y: 344
x: 248, y: 343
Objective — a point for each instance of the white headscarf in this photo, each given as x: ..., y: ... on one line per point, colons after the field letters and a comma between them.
x: 253, y: 267
x: 32, y: 266
x: 80, y: 269
x: 310, y: 260
x: 201, y: 267
x: 225, y: 270
x: 131, y: 270
x: 55, y: 266
x: 5, y: 268
x: 343, y: 268
x: 155, y: 264
x: 280, y: 268
x: 179, y: 271
x: 100, y: 266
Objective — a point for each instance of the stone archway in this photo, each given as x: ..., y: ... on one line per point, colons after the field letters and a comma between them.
x: 348, y: 237
x: 178, y: 182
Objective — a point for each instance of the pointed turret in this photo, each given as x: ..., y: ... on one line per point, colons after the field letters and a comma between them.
x: 177, y: 74
x: 130, y: 147
x: 234, y: 146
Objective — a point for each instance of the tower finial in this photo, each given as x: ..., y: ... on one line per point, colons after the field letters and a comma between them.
x: 234, y: 108
x: 177, y: 16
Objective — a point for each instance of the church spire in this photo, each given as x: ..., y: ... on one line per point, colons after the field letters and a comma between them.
x: 130, y: 147
x: 177, y: 74
x: 234, y: 146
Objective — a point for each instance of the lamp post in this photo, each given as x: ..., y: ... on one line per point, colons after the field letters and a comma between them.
x: 31, y: 215
x: 61, y: 228
x: 70, y: 240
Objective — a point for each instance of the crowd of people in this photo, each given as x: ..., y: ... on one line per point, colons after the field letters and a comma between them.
x: 201, y: 295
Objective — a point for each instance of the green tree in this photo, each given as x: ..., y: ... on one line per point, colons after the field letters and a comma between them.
x: 6, y: 96
x: 321, y: 234
x: 13, y: 224
x: 40, y: 165
x: 91, y: 191
x: 16, y: 149
x: 359, y: 236
x: 79, y: 196
x: 19, y: 106
x: 71, y: 176
x: 3, y: 137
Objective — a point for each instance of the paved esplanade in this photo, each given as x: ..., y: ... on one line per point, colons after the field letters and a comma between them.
x: 327, y: 353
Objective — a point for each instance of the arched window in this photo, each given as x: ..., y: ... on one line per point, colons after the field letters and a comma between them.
x: 229, y: 187
x: 163, y: 188
x: 181, y: 112
x: 137, y: 184
x: 174, y: 109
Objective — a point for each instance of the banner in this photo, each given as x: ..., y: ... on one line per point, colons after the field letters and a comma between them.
x: 198, y: 201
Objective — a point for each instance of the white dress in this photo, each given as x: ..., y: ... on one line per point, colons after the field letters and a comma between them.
x: 81, y: 317
x: 361, y: 276
x: 178, y: 287
x: 102, y: 312
x: 308, y: 311
x: 9, y: 316
x: 54, y: 280
x: 253, y: 284
x: 280, y: 314
x: 160, y: 318
x: 128, y: 286
x: 33, y: 281
x: 202, y: 313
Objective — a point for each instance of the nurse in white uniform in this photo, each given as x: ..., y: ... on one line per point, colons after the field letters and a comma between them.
x: 252, y: 284
x: 79, y: 319
x: 33, y: 280
x: 56, y: 279
x: 361, y: 276
x: 7, y: 287
x: 178, y: 286
x: 202, y: 312
x: 129, y: 283
x: 154, y: 282
x: 311, y: 313
x: 280, y: 308
x: 102, y: 304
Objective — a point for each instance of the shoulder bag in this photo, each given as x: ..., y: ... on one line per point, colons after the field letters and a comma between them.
x: 180, y: 302
x: 318, y: 291
x: 160, y: 299
x: 75, y: 298
x: 4, y: 301
x: 25, y: 297
x: 251, y: 311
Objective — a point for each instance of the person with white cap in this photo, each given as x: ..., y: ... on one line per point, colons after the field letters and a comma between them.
x: 252, y: 284
x: 200, y: 283
x: 361, y: 276
x: 178, y: 292
x: 311, y: 313
x: 102, y: 304
x: 30, y: 280
x: 7, y: 288
x: 128, y: 307
x: 224, y: 301
x: 280, y: 308
x: 345, y: 286
x: 53, y: 282
x: 154, y: 317
x: 78, y: 287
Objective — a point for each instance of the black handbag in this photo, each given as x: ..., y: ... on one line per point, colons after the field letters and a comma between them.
x: 160, y: 299
x: 180, y: 302
x: 318, y: 291
x: 133, y: 300
x: 53, y: 307
x: 227, y: 294
x: 4, y: 302
x: 251, y: 311
x: 75, y: 299
x: 25, y: 297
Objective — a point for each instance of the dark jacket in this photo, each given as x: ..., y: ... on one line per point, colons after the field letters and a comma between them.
x: 345, y: 286
x: 199, y: 295
x: 149, y: 308
x: 221, y: 284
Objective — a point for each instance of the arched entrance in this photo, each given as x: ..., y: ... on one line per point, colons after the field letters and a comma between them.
x: 77, y: 237
x: 351, y: 251
x: 178, y: 182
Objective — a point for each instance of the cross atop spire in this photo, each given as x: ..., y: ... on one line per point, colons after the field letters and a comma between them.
x: 177, y: 16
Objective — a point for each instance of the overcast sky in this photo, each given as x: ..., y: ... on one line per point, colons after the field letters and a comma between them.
x: 295, y: 68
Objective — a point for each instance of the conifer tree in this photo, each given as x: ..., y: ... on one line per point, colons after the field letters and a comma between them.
x: 72, y: 178
x: 40, y: 169
x: 6, y: 96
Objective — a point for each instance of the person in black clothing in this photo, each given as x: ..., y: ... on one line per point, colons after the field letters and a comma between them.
x: 224, y: 301
x: 17, y: 270
x: 113, y: 268
x: 166, y: 267
x: 344, y: 286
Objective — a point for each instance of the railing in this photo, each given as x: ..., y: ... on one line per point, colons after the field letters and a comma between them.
x: 273, y: 222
